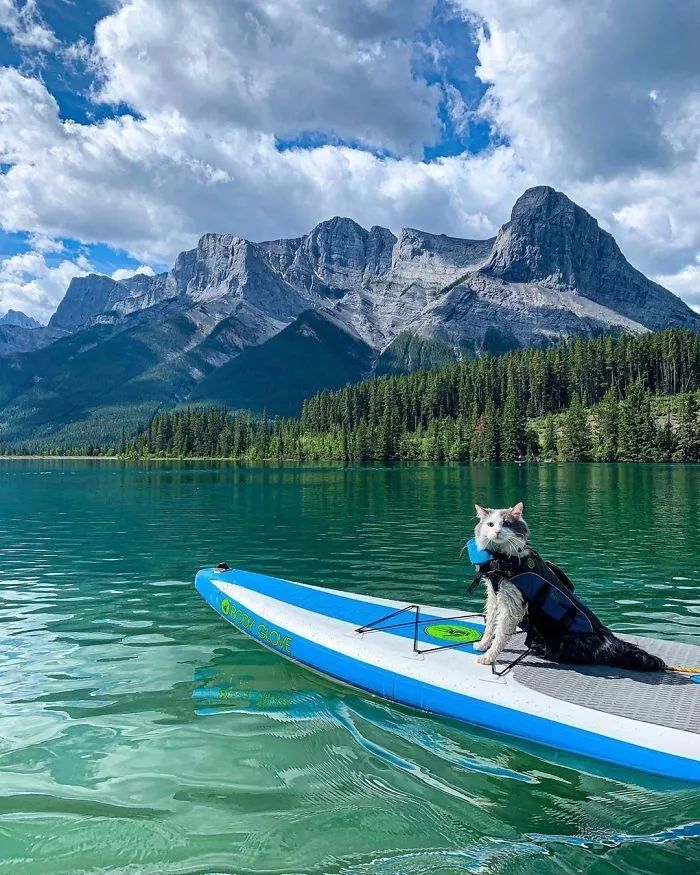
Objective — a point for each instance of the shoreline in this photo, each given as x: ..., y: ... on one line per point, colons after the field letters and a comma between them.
x: 295, y: 461
x: 38, y: 456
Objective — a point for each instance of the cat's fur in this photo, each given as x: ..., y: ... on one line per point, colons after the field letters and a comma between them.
x: 504, y: 532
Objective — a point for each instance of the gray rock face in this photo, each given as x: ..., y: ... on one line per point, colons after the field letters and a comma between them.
x: 19, y: 319
x: 87, y: 297
x: 15, y: 338
x: 550, y: 272
x: 553, y: 242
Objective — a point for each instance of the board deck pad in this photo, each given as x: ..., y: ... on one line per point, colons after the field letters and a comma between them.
x: 661, y: 697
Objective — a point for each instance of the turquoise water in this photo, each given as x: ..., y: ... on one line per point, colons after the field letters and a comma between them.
x: 139, y: 733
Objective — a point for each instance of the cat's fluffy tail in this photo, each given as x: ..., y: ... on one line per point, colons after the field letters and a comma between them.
x: 601, y: 648
x: 624, y: 654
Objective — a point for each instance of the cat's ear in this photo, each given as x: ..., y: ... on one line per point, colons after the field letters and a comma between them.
x: 517, y: 510
x: 482, y: 512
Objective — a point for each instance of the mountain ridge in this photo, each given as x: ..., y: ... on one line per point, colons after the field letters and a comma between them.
x: 550, y: 243
x: 551, y: 272
x: 19, y: 319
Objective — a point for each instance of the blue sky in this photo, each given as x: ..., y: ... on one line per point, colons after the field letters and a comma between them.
x: 128, y: 128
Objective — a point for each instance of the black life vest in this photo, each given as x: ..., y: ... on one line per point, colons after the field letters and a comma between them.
x: 553, y: 611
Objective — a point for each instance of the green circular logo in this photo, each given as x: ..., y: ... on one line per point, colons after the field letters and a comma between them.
x: 453, y: 633
x: 225, y: 606
x: 530, y: 563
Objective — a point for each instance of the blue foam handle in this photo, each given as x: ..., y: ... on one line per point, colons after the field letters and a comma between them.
x: 476, y: 555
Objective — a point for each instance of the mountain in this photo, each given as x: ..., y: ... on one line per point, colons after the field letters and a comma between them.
x: 21, y: 333
x: 554, y: 243
x: 263, y: 325
x: 21, y: 320
x: 286, y: 370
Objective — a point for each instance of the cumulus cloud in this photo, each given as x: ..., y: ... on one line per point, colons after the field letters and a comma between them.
x: 284, y: 66
x: 152, y: 185
x: 686, y: 283
x: 591, y: 90
x: 125, y: 273
x: 30, y: 284
x: 24, y: 25
x: 599, y: 100
x: 42, y: 243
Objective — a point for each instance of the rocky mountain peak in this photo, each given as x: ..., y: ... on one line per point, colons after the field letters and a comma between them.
x: 338, y: 226
x: 86, y: 297
x: 542, y: 199
x: 19, y: 319
x: 554, y: 243
x: 336, y: 249
x: 212, y: 268
x: 551, y: 239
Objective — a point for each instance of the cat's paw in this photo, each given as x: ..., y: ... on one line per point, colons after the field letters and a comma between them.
x: 482, y: 645
x: 486, y: 659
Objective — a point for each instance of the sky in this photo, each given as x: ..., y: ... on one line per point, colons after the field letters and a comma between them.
x: 128, y: 128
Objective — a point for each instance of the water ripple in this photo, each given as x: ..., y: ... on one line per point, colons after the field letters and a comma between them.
x: 139, y: 734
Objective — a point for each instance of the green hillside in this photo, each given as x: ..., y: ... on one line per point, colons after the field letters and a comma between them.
x: 91, y: 387
x: 311, y: 354
x: 408, y: 352
x: 88, y: 387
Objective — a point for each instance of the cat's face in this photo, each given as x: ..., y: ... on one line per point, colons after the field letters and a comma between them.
x: 502, y: 530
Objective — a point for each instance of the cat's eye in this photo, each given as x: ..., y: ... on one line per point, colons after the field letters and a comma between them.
x: 491, y: 524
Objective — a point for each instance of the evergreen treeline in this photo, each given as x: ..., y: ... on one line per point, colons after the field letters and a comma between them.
x: 74, y: 451
x: 621, y: 398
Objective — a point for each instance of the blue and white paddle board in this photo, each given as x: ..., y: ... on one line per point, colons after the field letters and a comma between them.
x: 644, y: 721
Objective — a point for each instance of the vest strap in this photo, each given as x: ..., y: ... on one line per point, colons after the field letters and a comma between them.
x: 475, y: 583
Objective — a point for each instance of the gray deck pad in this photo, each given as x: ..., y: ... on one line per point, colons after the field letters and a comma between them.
x: 664, y: 698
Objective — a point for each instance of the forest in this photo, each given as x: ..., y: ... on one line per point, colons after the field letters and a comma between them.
x: 614, y: 398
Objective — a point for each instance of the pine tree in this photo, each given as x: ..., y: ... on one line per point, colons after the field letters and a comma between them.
x: 688, y: 431
x: 489, y: 449
x: 575, y: 434
x: 666, y: 442
x: 549, y: 440
x: 512, y: 429
x: 637, y: 431
x: 533, y: 450
x: 606, y: 419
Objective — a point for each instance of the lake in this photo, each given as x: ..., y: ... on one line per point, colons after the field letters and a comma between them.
x: 140, y: 733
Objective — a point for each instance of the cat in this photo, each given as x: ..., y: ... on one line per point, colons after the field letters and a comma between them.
x: 505, y: 534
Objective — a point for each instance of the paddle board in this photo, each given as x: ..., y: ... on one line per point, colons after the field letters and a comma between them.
x: 424, y: 657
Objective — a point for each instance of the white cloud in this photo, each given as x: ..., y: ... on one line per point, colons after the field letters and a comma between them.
x: 151, y: 186
x: 42, y: 243
x: 212, y: 84
x: 601, y: 101
x: 24, y: 24
x: 125, y: 273
x: 29, y: 284
x: 570, y: 83
x: 686, y: 283
x: 283, y: 66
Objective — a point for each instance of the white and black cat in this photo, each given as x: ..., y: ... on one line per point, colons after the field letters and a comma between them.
x: 522, y: 589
